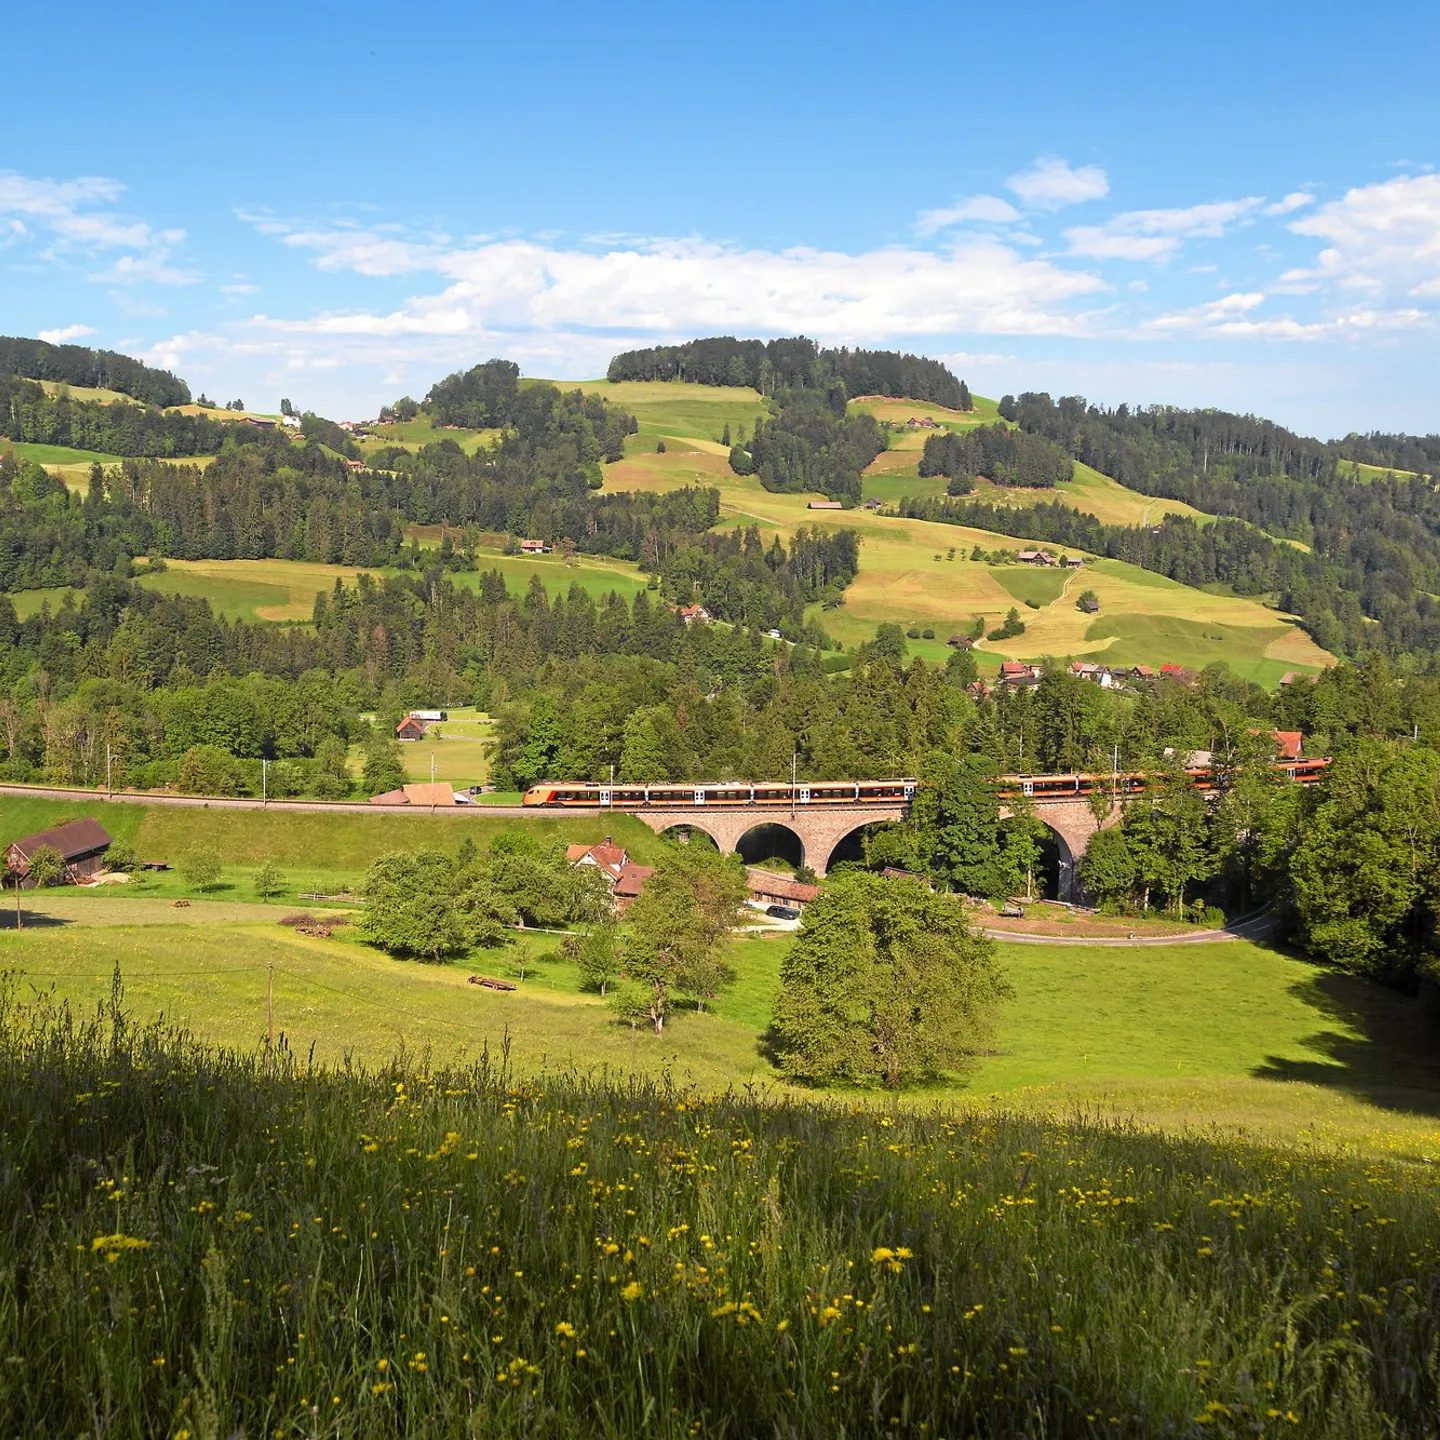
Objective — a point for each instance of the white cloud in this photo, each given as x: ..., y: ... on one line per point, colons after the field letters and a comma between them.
x: 66, y: 333
x: 1382, y: 240
x: 1051, y: 184
x: 78, y: 218
x: 239, y: 288
x: 685, y: 287
x: 1156, y: 234
x: 1295, y: 200
x: 984, y: 209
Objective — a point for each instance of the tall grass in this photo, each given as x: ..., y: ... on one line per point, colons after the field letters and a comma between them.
x: 202, y: 1243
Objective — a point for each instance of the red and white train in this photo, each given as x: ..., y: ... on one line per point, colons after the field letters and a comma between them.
x: 775, y: 794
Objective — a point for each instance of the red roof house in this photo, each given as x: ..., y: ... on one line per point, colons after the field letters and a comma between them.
x: 1289, y: 743
x: 410, y: 728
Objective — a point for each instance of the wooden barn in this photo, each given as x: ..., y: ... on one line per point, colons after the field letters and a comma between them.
x: 82, y: 845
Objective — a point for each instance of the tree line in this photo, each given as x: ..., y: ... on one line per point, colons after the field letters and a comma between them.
x: 811, y: 444
x: 999, y: 453
x: 94, y: 369
x: 771, y: 366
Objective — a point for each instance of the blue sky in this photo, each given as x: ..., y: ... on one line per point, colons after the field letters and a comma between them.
x: 1234, y: 205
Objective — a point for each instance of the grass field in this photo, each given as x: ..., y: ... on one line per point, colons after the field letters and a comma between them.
x: 460, y: 747
x: 1235, y: 1035
x: 213, y: 1244
x: 30, y: 602
x: 905, y: 577
x: 414, y: 434
x: 333, y: 849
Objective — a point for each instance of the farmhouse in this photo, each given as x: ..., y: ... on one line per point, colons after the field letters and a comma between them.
x: 607, y: 857
x: 412, y: 727
x: 696, y: 615
x: 824, y: 505
x: 81, y: 843
x: 1017, y: 672
x: 257, y: 422
x: 1178, y: 673
x: 534, y: 547
x: 872, y: 504
x: 1073, y: 562
x: 630, y: 882
x: 1035, y: 557
x: 960, y: 642
x: 768, y: 888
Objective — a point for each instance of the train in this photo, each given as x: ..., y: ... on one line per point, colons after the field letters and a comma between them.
x: 776, y: 794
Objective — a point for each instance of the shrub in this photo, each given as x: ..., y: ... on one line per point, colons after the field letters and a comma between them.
x: 121, y: 856
x: 47, y: 865
x: 201, y: 868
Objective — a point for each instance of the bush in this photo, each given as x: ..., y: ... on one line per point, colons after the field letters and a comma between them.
x: 47, y: 865
x: 200, y: 869
x: 121, y: 856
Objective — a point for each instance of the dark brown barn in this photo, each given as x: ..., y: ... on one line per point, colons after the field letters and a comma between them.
x: 81, y: 843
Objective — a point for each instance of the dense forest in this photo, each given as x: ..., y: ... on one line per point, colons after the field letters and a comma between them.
x: 1000, y: 454
x: 97, y: 369
x: 28, y: 414
x: 811, y: 444
x: 770, y: 366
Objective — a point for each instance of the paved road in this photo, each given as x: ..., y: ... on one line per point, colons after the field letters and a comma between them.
x: 1256, y: 927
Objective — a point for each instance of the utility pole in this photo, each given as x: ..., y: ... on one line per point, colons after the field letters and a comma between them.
x: 18, y: 921
x: 264, y: 782
x: 269, y: 1012
x: 108, y: 757
x: 794, y: 765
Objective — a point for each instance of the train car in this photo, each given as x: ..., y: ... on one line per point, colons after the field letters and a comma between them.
x: 732, y: 793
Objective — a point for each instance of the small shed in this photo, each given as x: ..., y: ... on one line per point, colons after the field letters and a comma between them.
x: 824, y: 505
x: 412, y: 727
x: 82, y: 845
x: 772, y: 889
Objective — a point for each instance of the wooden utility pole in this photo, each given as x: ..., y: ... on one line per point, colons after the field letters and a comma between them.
x: 270, y: 1013
x: 17, y: 900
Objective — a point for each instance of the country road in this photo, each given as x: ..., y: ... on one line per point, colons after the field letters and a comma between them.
x: 1256, y: 927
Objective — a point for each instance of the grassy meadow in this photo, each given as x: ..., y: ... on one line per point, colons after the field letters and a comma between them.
x: 215, y: 1244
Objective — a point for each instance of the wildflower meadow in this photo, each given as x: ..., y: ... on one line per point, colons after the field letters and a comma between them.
x: 201, y: 1243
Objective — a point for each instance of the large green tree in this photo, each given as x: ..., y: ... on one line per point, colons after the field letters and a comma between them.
x: 680, y: 928
x: 1364, y: 872
x: 411, y: 906
x: 886, y: 984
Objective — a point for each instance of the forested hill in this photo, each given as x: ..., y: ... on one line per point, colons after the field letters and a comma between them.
x: 102, y: 369
x: 794, y: 364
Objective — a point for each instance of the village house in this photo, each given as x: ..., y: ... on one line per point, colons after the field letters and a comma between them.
x: 1017, y: 672
x: 1035, y: 557
x: 960, y: 642
x: 1289, y: 744
x: 630, y: 883
x: 81, y: 843
x: 1096, y: 674
x: 696, y: 614
x: 1073, y: 562
x: 534, y: 547
x: 768, y: 888
x: 607, y: 857
x: 872, y: 504
x: 1178, y: 673
x: 1141, y: 672
x: 412, y: 727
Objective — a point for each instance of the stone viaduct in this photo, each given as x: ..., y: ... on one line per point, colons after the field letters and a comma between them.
x: 819, y: 829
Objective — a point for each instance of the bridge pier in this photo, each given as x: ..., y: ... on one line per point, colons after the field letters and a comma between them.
x: 818, y: 827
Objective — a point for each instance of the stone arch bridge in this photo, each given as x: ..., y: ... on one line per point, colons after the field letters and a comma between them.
x: 820, y: 829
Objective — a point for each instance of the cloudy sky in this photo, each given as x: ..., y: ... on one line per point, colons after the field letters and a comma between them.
x: 1224, y: 207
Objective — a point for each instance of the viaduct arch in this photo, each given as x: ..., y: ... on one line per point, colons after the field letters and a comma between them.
x: 819, y: 828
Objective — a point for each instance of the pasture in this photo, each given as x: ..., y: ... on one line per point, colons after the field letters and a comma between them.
x: 417, y: 433
x: 676, y: 411
x: 907, y: 577
x: 1233, y: 1035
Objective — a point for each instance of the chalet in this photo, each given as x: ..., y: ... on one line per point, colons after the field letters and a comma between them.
x: 534, y: 547
x: 630, y: 883
x: 1289, y: 743
x: 354, y: 464
x: 1095, y: 674
x: 768, y: 888
x: 824, y: 505
x: 1035, y: 557
x: 1141, y: 672
x: 696, y: 615
x: 257, y: 422
x: 412, y: 727
x: 1073, y: 562
x: 81, y: 843
x: 607, y: 857
x: 1017, y: 672
x: 960, y: 642
x: 872, y: 504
